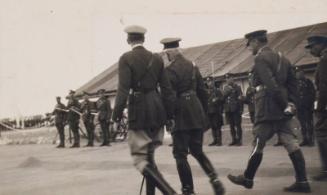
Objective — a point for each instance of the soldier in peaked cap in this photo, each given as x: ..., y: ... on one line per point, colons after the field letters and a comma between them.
x: 307, y: 95
x: 88, y: 118
x: 104, y: 116
x: 190, y: 117
x: 60, y: 119
x: 318, y: 48
x: 215, y: 111
x: 233, y: 108
x: 276, y: 97
x: 140, y: 72
x: 73, y: 117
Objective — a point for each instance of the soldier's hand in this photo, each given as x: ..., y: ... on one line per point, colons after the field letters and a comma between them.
x: 170, y: 125
x: 290, y: 109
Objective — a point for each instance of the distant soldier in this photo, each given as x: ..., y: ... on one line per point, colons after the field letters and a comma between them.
x: 73, y: 117
x: 190, y: 117
x: 249, y: 98
x: 233, y: 108
x: 87, y: 108
x: 60, y: 120
x: 307, y: 95
x: 318, y: 48
x: 215, y: 111
x: 104, y: 116
x: 276, y: 97
x: 140, y: 73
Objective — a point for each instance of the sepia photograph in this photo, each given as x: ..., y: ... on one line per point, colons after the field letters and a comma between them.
x: 187, y: 97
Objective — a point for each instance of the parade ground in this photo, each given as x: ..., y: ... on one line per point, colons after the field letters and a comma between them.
x: 41, y: 169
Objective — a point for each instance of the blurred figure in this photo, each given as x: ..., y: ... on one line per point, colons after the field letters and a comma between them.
x: 249, y: 98
x: 73, y: 117
x: 88, y: 119
x: 104, y: 116
x: 60, y: 119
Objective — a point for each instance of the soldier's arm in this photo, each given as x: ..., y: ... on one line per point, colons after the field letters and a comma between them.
x: 124, y: 83
x: 293, y: 93
x: 265, y: 74
x: 201, y: 89
x: 109, y: 110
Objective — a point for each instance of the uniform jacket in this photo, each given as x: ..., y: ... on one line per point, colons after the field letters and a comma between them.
x: 150, y: 102
x: 321, y: 83
x: 215, y: 101
x: 87, y: 108
x: 104, y: 109
x: 60, y: 116
x: 192, y: 98
x: 307, y: 94
x: 73, y: 104
x: 275, y: 87
x: 232, y: 96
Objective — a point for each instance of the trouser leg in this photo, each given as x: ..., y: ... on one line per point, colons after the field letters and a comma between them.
x: 61, y: 132
x: 74, y: 128
x: 255, y: 159
x: 105, y: 131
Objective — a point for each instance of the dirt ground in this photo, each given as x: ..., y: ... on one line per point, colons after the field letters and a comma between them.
x: 41, y: 169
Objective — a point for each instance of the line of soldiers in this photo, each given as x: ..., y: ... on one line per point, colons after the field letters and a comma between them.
x: 86, y: 110
x: 174, y: 94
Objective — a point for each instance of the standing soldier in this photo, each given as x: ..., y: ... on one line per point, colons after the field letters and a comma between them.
x: 233, y: 110
x: 88, y: 118
x: 73, y: 117
x: 60, y: 117
x: 190, y: 117
x: 104, y: 116
x: 276, y: 96
x: 140, y: 73
x: 307, y: 97
x: 318, y: 48
x: 215, y: 111
x: 249, y: 98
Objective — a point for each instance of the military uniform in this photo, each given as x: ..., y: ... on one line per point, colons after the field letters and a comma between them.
x: 249, y: 100
x: 60, y: 119
x: 233, y: 108
x: 73, y: 119
x: 305, y: 109
x: 190, y: 118
x: 104, y: 115
x: 215, y: 113
x: 140, y: 73
x: 275, y: 82
x: 87, y: 108
x: 321, y: 111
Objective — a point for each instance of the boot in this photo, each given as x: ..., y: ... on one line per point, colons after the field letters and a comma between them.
x: 150, y: 187
x: 219, y: 142
x: 214, y: 143
x: 152, y: 174
x: 241, y: 180
x: 232, y: 143
x: 217, y: 186
x: 185, y: 176
x: 301, y: 184
x: 322, y: 176
x: 61, y: 145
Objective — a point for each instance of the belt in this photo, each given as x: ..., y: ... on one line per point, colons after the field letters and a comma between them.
x: 187, y: 93
x: 260, y: 87
x: 138, y: 92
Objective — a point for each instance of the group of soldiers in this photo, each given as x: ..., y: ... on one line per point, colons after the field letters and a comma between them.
x: 168, y: 90
x: 231, y: 100
x: 87, y: 111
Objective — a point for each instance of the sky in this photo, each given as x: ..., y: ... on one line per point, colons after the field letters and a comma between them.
x: 48, y: 47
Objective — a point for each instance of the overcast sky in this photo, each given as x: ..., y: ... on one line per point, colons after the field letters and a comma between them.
x: 50, y: 46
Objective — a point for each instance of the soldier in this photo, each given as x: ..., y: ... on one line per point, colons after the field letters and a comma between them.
x: 305, y: 109
x: 318, y: 48
x: 233, y: 108
x: 88, y: 118
x: 276, y: 98
x: 104, y: 116
x: 73, y: 117
x: 60, y: 119
x: 215, y: 111
x: 190, y: 117
x: 140, y: 73
x: 249, y: 98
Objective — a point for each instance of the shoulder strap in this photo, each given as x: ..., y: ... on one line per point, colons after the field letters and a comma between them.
x: 279, y: 62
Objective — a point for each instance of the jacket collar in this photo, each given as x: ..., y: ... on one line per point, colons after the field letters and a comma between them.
x: 136, y: 46
x: 262, y: 49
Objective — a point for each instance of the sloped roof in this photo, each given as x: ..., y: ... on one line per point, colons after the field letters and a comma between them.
x: 220, y: 58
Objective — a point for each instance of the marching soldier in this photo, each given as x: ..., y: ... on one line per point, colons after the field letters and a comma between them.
x: 249, y: 98
x: 60, y: 119
x: 233, y: 108
x: 305, y: 109
x: 215, y: 111
x: 190, y: 117
x: 88, y: 118
x: 104, y: 116
x: 276, y: 98
x: 140, y: 73
x: 318, y: 48
x: 73, y: 117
